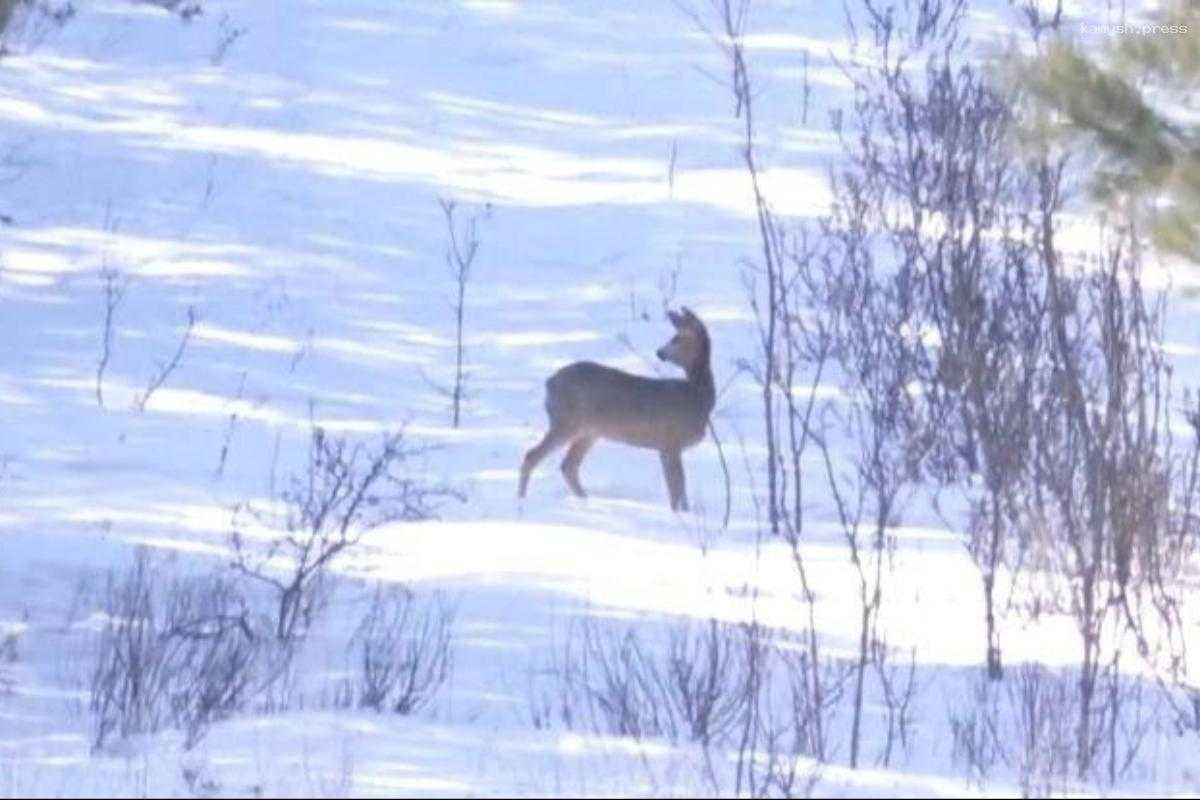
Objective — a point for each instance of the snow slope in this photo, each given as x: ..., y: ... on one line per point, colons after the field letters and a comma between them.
x: 283, y: 182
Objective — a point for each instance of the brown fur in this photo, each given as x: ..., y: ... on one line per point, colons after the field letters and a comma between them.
x: 586, y: 401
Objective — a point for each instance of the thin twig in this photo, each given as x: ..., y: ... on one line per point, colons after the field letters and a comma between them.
x: 165, y: 370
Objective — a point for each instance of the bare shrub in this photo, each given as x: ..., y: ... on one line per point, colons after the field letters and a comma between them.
x: 461, y: 249
x: 1130, y: 713
x: 1026, y: 724
x: 1029, y: 725
x: 345, y: 491
x: 976, y: 356
x: 615, y: 682
x: 115, y: 285
x: 129, y: 684
x: 1044, y: 704
x: 927, y: 147
x: 743, y: 697
x: 165, y: 368
x: 898, y: 685
x: 404, y: 653
x: 793, y: 348
x: 702, y: 680
x: 1110, y: 484
x: 882, y: 422
x: 801, y: 701
x: 209, y: 630
x: 174, y: 653
x: 615, y: 677
x: 114, y: 293
x: 230, y: 33
x: 724, y: 22
x: 815, y: 691
x: 1046, y: 387
x: 976, y: 743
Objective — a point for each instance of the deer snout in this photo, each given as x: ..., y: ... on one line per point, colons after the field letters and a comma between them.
x: 661, y: 353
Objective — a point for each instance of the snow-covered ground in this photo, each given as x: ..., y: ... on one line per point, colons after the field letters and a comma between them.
x: 276, y: 166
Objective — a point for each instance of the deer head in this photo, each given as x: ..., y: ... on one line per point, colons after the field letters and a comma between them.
x: 689, y: 346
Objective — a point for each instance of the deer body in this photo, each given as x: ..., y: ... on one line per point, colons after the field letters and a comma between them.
x: 586, y: 401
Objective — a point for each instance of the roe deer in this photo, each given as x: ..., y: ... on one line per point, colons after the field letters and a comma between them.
x: 587, y: 401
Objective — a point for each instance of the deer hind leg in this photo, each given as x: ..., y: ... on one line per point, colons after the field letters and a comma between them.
x: 672, y: 463
x: 554, y: 439
x: 570, y: 465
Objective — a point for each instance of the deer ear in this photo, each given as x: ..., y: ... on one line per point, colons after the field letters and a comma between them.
x: 675, y: 319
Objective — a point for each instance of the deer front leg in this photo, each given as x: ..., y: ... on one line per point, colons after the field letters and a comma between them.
x: 672, y: 462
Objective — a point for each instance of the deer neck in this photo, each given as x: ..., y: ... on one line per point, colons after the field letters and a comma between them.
x: 700, y: 377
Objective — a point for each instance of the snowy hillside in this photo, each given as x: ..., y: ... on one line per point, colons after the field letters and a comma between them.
x: 272, y: 172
